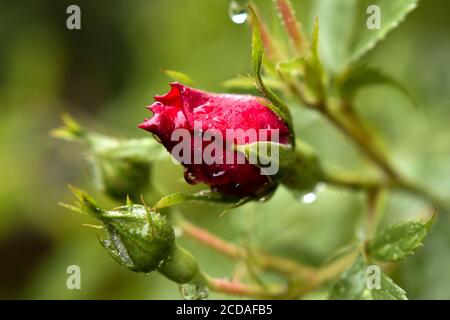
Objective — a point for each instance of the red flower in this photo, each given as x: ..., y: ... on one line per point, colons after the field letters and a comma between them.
x: 196, y: 112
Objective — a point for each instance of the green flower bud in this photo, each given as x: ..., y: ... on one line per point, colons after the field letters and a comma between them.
x: 119, y: 178
x: 135, y: 237
x: 140, y: 240
x: 121, y: 168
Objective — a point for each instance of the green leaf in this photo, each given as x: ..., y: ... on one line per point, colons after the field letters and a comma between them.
x: 276, y: 104
x: 389, y: 290
x: 399, y: 240
x: 179, y: 76
x: 206, y: 196
x: 337, y: 22
x: 353, y: 285
x: 70, y: 131
x: 392, y: 15
x: 345, y: 36
x: 355, y: 79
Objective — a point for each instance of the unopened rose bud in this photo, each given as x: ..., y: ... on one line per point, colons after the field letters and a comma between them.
x: 118, y: 168
x: 139, y: 239
x: 194, y: 112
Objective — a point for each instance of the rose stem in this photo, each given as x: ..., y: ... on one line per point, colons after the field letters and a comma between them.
x: 263, y: 260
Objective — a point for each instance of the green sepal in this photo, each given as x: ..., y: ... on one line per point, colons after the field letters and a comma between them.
x: 281, y: 156
x: 205, y: 196
x: 304, y: 171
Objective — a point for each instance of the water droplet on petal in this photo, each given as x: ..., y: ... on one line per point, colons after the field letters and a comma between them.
x: 189, y: 177
x: 191, y: 291
x: 203, y: 109
x: 219, y: 122
x: 218, y: 174
x: 238, y: 11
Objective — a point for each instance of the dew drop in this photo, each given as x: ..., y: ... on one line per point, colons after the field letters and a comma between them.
x: 203, y: 109
x: 191, y: 291
x: 177, y: 231
x: 308, y: 198
x: 238, y: 11
x: 189, y: 177
x: 218, y: 174
x: 218, y: 121
x: 320, y: 187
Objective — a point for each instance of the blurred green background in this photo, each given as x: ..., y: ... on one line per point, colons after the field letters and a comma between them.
x: 107, y: 72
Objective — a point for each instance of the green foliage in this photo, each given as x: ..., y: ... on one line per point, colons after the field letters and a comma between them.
x: 399, y: 240
x: 353, y: 285
x: 205, y: 196
x: 346, y: 38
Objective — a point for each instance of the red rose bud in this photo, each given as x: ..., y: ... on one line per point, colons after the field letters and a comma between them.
x: 201, y: 130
